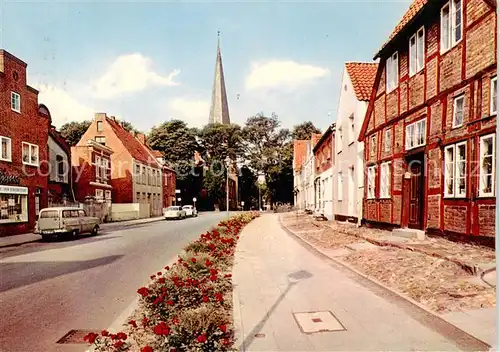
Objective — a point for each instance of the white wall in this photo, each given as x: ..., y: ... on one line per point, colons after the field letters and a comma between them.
x: 349, y: 152
x: 54, y: 151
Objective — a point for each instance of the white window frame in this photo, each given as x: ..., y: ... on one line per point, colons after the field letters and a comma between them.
x: 452, y: 26
x: 340, y: 187
x: 458, y: 98
x: 392, y: 72
x: 99, y: 193
x: 416, y: 59
x: 30, y: 154
x: 493, y: 162
x: 373, y: 146
x: 98, y: 167
x: 387, y: 140
x: 385, y: 180
x: 412, y: 132
x: 15, y: 98
x: 493, y: 96
x: 100, y: 126
x: 9, y: 149
x: 454, y: 166
x: 370, y: 177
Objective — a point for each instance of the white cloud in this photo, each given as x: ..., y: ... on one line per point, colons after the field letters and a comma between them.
x: 130, y: 73
x: 62, y: 106
x: 193, y: 111
x: 282, y: 74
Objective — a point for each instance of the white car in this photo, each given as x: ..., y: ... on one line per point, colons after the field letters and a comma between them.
x: 190, y: 210
x: 174, y: 212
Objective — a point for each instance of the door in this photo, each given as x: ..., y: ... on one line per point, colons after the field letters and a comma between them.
x: 415, y: 196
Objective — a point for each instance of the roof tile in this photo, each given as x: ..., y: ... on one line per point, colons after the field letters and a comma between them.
x: 362, y: 76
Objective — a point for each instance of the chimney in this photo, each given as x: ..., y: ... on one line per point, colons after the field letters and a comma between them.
x: 112, y: 118
x: 99, y: 116
x: 141, y: 137
x: 132, y: 132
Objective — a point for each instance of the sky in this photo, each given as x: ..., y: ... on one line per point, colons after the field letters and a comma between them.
x: 149, y: 62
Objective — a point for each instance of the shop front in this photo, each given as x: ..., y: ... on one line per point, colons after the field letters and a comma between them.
x: 13, y: 208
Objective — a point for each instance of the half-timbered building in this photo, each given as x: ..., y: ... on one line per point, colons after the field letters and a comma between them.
x: 429, y: 130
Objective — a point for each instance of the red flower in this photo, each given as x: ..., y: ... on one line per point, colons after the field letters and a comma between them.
x: 152, y: 277
x: 161, y: 280
x: 143, y: 291
x: 175, y: 320
x: 223, y: 328
x: 121, y: 336
x: 202, y: 338
x: 158, y: 273
x: 193, y: 260
x: 208, y: 262
x: 225, y: 342
x: 163, y: 289
x: 133, y: 323
x: 147, y: 349
x: 185, y: 265
x: 90, y: 337
x: 228, y: 275
x: 113, y: 337
x: 145, y: 321
x: 166, y: 268
x: 104, y: 333
x: 213, y: 277
x: 218, y: 296
x: 158, y: 300
x: 118, y: 344
x: 161, y: 329
x: 170, y: 302
x: 205, y: 299
x: 213, y: 272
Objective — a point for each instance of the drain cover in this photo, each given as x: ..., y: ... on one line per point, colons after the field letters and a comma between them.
x: 311, y: 322
x: 75, y: 336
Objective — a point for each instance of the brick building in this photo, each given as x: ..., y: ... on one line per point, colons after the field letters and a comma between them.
x: 323, y: 168
x: 168, y: 180
x: 60, y: 190
x: 24, y: 130
x: 300, y: 148
x: 91, y: 162
x: 135, y: 173
x: 429, y: 131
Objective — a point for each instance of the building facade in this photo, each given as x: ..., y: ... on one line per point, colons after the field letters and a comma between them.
x: 169, y: 178
x: 299, y: 155
x: 324, y: 160
x: 136, y: 176
x: 24, y: 129
x: 429, y: 131
x: 92, y: 167
x: 60, y: 186
x: 355, y: 92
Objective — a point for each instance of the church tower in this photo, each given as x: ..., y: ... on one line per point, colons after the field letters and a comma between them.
x: 219, y: 111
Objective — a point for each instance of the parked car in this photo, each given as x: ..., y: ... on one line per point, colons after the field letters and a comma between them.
x: 190, y: 210
x: 56, y: 222
x: 174, y: 212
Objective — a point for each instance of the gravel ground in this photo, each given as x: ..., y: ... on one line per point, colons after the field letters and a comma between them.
x: 438, y: 284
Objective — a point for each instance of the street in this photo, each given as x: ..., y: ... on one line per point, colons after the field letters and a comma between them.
x: 48, y: 289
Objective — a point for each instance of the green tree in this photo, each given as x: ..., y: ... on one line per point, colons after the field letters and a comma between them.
x: 73, y: 131
x: 214, y: 182
x: 304, y: 130
x: 247, y: 186
x: 175, y: 140
x: 217, y: 141
x: 128, y: 126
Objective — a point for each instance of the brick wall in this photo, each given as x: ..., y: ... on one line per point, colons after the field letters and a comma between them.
x: 450, y: 68
x: 480, y: 48
x: 455, y: 218
x: 380, y: 111
x: 416, y: 87
x: 487, y: 220
x: 392, y: 105
x: 434, y: 211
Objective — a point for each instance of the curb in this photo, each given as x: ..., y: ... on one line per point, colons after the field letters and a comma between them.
x: 485, y: 346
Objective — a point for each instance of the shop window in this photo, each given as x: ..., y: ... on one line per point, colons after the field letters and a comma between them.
x: 13, y: 208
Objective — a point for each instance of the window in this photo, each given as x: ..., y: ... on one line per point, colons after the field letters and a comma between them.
x: 13, y: 207
x: 101, y: 169
x: 417, y: 46
x: 454, y: 172
x: 415, y: 134
x: 98, y: 167
x: 458, y: 111
x: 351, y: 129
x: 99, y: 126
x: 340, y: 186
x: 100, y: 139
x: 5, y: 149
x: 340, y: 140
x: 373, y: 146
x: 370, y: 192
x: 451, y: 24
x: 108, y: 195
x: 143, y: 175
x: 99, y: 194
x: 387, y: 140
x: 30, y: 154
x: 15, y: 102
x: 392, y: 72
x: 487, y: 166
x: 137, y: 173
x: 493, y: 96
x: 385, y: 180
x: 60, y: 167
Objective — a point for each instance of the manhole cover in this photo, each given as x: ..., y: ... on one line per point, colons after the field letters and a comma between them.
x: 75, y: 336
x: 311, y: 322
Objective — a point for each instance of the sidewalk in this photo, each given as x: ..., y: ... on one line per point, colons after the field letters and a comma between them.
x: 16, y: 240
x: 276, y: 276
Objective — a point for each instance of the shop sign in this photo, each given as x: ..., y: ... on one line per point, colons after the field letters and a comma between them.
x: 13, y: 190
x: 6, y: 179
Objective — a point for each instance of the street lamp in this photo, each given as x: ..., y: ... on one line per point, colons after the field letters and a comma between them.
x: 228, y: 161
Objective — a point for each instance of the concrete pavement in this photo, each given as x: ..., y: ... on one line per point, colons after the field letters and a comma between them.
x: 277, y: 279
x: 50, y: 288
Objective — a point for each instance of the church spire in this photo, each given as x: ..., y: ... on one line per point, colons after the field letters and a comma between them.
x: 219, y: 111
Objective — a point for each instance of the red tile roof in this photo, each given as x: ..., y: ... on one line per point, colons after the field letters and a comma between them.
x: 137, y: 150
x: 59, y: 139
x: 157, y: 154
x: 299, y: 153
x: 315, y: 138
x: 362, y: 76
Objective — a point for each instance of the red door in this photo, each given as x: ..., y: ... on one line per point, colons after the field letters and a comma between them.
x: 416, y: 192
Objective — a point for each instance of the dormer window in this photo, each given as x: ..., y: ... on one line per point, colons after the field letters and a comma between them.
x: 392, y: 72
x: 417, y: 50
x: 15, y: 102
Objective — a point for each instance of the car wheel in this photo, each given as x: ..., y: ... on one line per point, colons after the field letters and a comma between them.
x: 95, y: 230
x: 73, y: 235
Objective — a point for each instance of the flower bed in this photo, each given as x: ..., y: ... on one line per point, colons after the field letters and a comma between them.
x: 188, y: 306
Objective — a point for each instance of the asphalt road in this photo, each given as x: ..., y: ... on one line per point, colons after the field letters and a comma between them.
x: 48, y: 289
